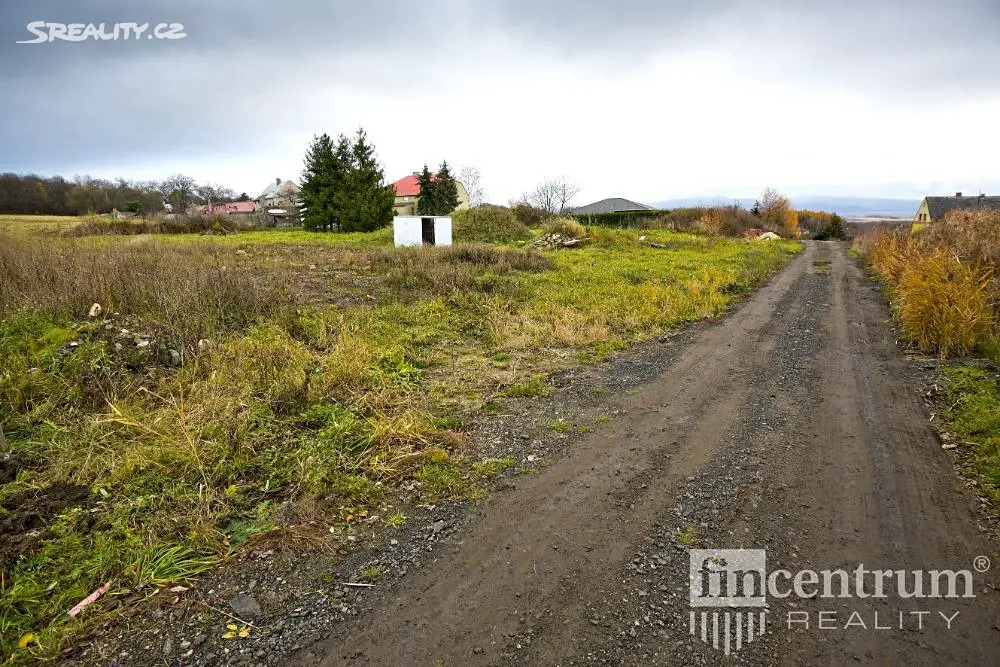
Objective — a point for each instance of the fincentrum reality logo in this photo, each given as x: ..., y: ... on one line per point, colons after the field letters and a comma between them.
x: 733, y: 579
x: 729, y: 589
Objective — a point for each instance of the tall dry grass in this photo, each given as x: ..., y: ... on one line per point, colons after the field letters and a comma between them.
x: 944, y: 280
x: 185, y: 292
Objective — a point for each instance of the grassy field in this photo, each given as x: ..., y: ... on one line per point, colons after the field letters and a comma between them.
x: 36, y: 224
x: 276, y: 387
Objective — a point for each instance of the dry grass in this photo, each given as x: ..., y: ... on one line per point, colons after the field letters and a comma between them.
x: 489, y: 225
x: 188, y: 293
x: 943, y: 280
x: 565, y: 226
x: 181, y: 225
x: 942, y: 303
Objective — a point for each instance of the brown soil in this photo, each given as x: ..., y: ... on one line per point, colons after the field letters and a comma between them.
x: 793, y: 426
x: 29, y: 513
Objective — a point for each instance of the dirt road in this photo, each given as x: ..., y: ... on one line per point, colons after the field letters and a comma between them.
x: 796, y: 426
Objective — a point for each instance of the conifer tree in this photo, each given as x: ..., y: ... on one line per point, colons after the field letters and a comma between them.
x: 318, y: 187
x: 427, y: 203
x: 371, y: 200
x: 446, y: 190
x: 343, y: 186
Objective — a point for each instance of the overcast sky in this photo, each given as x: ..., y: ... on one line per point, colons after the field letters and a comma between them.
x: 645, y: 99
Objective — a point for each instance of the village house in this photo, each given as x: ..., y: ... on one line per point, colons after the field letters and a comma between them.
x: 612, y: 205
x: 229, y: 208
x: 408, y: 194
x: 279, y: 195
x: 280, y: 202
x: 935, y: 208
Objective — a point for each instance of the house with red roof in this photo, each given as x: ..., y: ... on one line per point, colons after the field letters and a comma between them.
x: 230, y: 208
x: 408, y: 193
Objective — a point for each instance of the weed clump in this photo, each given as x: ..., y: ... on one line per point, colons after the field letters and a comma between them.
x: 565, y: 227
x: 943, y: 280
x: 489, y: 225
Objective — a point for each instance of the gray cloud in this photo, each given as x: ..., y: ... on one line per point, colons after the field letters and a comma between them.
x: 254, y: 68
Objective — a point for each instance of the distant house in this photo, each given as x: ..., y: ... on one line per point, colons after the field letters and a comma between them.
x: 231, y: 208
x: 935, y: 208
x: 280, y: 201
x: 612, y: 205
x: 279, y: 195
x: 408, y: 194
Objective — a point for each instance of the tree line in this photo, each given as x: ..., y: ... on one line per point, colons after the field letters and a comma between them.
x: 30, y: 194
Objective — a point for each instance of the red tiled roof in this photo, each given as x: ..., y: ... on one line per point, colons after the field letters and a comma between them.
x: 407, y: 187
x: 227, y: 209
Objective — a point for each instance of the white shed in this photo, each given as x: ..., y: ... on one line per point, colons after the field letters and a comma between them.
x: 410, y: 230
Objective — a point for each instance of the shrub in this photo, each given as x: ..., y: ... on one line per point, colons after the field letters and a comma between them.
x: 974, y: 236
x: 942, y: 303
x: 712, y: 222
x: 732, y: 221
x: 180, y: 225
x: 943, y: 280
x: 678, y: 219
x: 489, y: 225
x: 528, y: 215
x: 565, y: 226
x: 617, y: 218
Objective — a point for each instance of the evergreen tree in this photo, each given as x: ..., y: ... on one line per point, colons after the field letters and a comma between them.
x: 835, y: 228
x: 370, y: 200
x: 343, y: 186
x: 446, y: 191
x: 756, y: 209
x: 319, y: 185
x: 427, y: 203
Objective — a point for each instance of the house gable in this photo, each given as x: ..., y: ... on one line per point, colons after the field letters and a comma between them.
x: 937, y: 207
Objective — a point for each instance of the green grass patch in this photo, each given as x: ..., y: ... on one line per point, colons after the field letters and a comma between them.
x: 492, y: 467
x: 559, y: 426
x: 970, y: 411
x: 533, y: 387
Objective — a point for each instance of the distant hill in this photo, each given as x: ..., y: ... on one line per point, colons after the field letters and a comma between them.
x: 846, y: 206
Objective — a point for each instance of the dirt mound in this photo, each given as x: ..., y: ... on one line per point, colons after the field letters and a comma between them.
x: 30, y: 513
x: 11, y: 464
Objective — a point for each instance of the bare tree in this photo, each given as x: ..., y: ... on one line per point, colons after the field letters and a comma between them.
x: 552, y: 195
x: 179, y: 191
x: 565, y: 192
x: 470, y: 177
x: 215, y: 194
x: 776, y: 210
